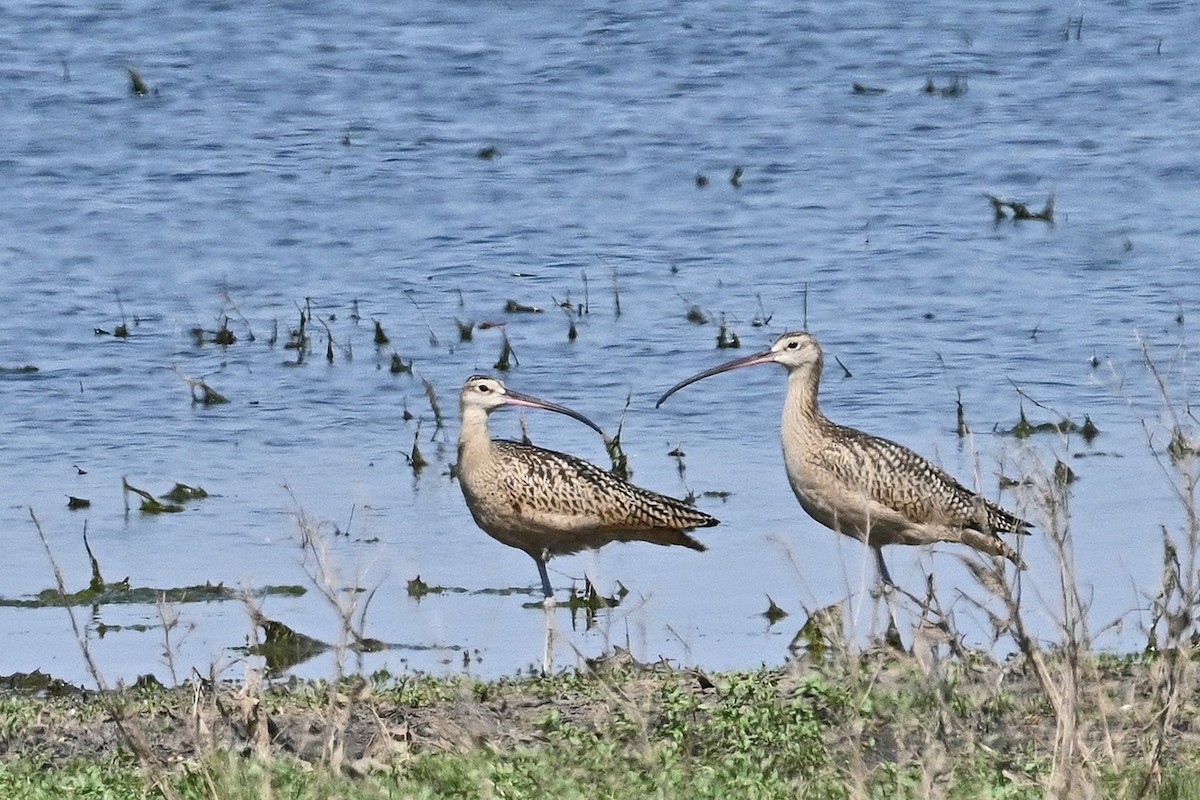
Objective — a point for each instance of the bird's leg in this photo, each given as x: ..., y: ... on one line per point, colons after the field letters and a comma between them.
x: 884, y: 575
x: 887, y: 588
x: 546, y: 590
x: 887, y: 585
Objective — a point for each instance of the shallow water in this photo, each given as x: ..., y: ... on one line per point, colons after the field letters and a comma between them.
x: 307, y: 155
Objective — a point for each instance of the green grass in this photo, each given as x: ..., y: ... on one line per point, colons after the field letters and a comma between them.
x: 873, y: 725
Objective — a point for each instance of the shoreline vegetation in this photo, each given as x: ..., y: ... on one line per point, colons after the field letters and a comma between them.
x: 844, y: 724
x: 913, y: 712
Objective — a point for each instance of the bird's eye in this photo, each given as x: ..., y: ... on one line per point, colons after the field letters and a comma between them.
x: 793, y: 345
x: 483, y: 387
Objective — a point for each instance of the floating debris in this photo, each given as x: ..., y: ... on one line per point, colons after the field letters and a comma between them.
x: 1024, y: 428
x: 819, y: 632
x: 1019, y: 210
x: 680, y: 467
x: 761, y: 317
x: 735, y: 177
x: 616, y: 293
x: 150, y: 503
x: 696, y: 316
x: 228, y: 300
x: 439, y: 421
x: 956, y: 88
x: 1076, y: 24
x: 513, y: 307
x: 417, y: 588
x: 415, y: 459
x: 182, y: 493
x: 620, y: 461
x: 961, y: 427
x: 24, y: 369
x: 283, y: 648
x: 1063, y: 475
x: 100, y: 592
x: 207, y: 395
x: 381, y: 338
x: 1181, y: 447
x: 328, y: 339
x: 1006, y: 482
x: 137, y: 86
x: 590, y: 599
x: 223, y: 336
x: 569, y: 309
x: 488, y: 153
x: 590, y: 602
x: 612, y: 444
x: 727, y: 339
x: 466, y: 330
x: 701, y: 180
x: 506, y: 351
x: 76, y: 503
x: 122, y: 593
x: 298, y: 337
x: 862, y: 88
x: 397, y: 366
x: 773, y: 613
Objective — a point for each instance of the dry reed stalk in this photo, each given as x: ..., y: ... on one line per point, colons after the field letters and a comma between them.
x: 1173, y: 626
x: 133, y: 737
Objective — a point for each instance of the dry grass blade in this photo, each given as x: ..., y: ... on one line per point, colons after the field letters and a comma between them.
x: 438, y: 420
x: 154, y: 768
x: 620, y: 461
x: 433, y: 340
x: 1176, y: 608
x: 351, y: 606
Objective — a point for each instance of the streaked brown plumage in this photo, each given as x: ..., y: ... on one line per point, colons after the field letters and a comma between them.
x: 548, y: 503
x: 867, y: 487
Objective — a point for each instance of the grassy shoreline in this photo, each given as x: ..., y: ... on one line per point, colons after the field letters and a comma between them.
x: 878, y: 723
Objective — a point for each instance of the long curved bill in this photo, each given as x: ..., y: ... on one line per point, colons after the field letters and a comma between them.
x: 765, y: 357
x: 517, y: 399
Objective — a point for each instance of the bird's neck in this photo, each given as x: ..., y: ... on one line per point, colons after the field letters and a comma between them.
x: 473, y: 436
x: 800, y: 410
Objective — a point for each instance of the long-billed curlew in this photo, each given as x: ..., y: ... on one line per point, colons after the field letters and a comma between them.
x: 867, y: 487
x: 548, y: 503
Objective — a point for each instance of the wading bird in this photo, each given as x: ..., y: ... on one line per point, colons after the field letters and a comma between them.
x: 867, y: 487
x: 548, y: 503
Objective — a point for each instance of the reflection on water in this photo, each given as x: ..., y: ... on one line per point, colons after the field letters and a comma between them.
x: 286, y: 162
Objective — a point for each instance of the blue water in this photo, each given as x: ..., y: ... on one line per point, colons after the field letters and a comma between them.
x: 327, y: 157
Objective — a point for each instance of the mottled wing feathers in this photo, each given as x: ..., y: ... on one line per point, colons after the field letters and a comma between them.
x: 900, y: 479
x: 561, y: 484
